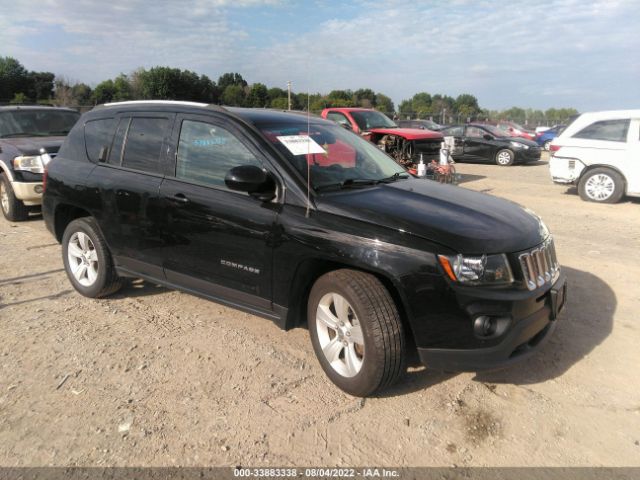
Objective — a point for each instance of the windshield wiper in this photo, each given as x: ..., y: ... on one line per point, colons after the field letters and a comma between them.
x: 394, y: 177
x: 348, y: 183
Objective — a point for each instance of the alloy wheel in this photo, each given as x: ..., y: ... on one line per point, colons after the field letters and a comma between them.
x: 340, y: 334
x: 600, y: 187
x: 504, y: 158
x: 83, y: 259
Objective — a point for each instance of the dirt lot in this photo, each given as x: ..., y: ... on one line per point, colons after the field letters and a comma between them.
x: 157, y: 377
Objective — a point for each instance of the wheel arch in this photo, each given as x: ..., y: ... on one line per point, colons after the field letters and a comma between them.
x: 65, y: 214
x: 308, y: 272
x: 589, y: 168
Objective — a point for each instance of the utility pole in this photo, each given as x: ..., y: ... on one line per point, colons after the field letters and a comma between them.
x: 289, y: 93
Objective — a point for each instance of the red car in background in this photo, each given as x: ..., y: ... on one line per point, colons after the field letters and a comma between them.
x: 515, y: 130
x: 406, y: 145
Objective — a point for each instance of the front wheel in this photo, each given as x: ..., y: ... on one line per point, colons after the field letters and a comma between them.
x: 601, y: 185
x: 12, y: 208
x: 547, y: 145
x: 356, y: 331
x: 505, y: 157
x: 87, y: 259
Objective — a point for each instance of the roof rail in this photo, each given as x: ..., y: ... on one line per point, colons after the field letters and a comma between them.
x: 166, y: 102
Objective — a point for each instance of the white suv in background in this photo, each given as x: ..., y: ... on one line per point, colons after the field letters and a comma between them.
x: 600, y: 152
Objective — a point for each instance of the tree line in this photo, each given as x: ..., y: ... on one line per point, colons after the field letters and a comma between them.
x: 18, y: 85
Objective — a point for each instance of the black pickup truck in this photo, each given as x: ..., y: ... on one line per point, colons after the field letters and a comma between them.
x: 301, y: 221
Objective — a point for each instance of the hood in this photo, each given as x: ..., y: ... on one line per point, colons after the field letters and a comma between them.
x: 408, y: 133
x: 32, y: 145
x: 466, y: 221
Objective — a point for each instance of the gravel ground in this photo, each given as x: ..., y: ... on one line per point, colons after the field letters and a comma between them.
x: 153, y: 377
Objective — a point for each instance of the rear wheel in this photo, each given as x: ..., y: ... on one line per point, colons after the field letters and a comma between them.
x: 547, y: 145
x: 356, y: 331
x: 601, y: 185
x: 12, y: 208
x: 505, y: 157
x: 87, y: 259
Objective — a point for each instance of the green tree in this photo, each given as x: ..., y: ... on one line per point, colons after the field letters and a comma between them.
x: 466, y: 106
x: 40, y: 85
x: 228, y: 79
x: 365, y: 97
x: 276, y: 92
x: 13, y: 78
x: 258, y: 96
x: 104, y: 92
x: 385, y: 104
x: 280, y: 103
x: 81, y: 94
x: 233, y: 95
x: 19, y: 98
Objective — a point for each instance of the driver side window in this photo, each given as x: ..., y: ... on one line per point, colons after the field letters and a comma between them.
x: 206, y: 152
x: 475, y: 132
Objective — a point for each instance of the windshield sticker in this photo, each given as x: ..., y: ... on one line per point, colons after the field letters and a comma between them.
x: 300, y: 144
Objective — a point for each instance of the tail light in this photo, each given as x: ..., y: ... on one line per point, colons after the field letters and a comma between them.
x: 554, y: 148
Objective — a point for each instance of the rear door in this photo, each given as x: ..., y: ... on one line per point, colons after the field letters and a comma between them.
x: 128, y: 178
x: 218, y: 242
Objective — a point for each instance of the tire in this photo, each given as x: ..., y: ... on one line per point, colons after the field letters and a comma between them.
x: 547, y: 145
x: 367, y: 352
x: 85, y: 251
x: 601, y: 185
x: 12, y: 208
x: 505, y: 157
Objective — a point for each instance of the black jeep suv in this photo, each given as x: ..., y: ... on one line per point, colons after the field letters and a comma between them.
x: 29, y: 137
x: 298, y: 220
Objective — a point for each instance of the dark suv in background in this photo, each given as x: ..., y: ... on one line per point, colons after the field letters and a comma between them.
x: 29, y: 137
x: 301, y: 221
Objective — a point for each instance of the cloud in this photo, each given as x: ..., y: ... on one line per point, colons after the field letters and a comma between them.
x: 516, y: 53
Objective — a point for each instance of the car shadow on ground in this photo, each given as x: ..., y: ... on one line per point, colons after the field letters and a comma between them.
x: 136, y: 287
x: 585, y: 322
x: 467, y: 177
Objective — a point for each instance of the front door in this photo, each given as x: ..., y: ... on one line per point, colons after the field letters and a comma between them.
x: 217, y: 240
x: 476, y: 147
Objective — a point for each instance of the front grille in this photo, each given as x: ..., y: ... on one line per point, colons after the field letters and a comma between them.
x: 540, y: 265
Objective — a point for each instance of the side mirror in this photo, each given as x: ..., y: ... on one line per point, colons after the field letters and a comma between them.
x: 252, y: 180
x: 346, y: 126
x: 486, y: 136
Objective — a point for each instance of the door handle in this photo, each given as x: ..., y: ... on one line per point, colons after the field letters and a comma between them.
x: 179, y: 197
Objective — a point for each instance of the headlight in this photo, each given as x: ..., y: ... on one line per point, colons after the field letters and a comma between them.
x: 519, y: 145
x: 29, y: 164
x: 481, y: 270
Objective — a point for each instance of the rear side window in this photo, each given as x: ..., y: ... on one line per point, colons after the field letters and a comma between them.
x: 98, y: 135
x: 206, y: 152
x: 610, y: 130
x: 144, y: 143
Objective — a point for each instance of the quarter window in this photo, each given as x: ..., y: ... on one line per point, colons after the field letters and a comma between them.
x: 98, y: 135
x: 611, y: 130
x: 144, y: 143
x: 206, y: 152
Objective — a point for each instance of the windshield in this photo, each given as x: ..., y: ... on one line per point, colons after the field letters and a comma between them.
x: 334, y: 157
x: 36, y: 123
x: 368, y: 119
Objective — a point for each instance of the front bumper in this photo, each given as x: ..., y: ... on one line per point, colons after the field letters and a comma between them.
x: 524, y: 337
x: 529, y: 155
x: 30, y: 193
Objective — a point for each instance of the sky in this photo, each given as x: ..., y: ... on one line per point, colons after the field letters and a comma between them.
x: 533, y: 54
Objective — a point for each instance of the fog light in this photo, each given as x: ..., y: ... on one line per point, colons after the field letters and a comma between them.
x: 484, y: 326
x: 38, y: 189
